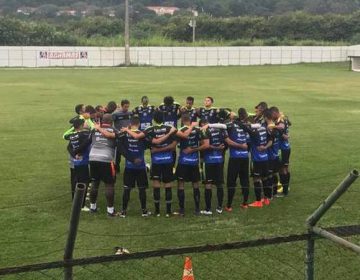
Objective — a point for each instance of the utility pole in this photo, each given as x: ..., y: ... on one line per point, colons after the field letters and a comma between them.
x: 127, y: 36
x: 193, y: 24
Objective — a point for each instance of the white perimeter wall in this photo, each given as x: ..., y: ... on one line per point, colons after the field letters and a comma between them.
x: 168, y: 56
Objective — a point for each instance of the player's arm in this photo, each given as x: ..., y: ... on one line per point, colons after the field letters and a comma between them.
x: 205, y: 144
x: 68, y: 132
x: 185, y: 134
x: 162, y: 139
x: 105, y: 132
x: 263, y: 148
x: 133, y: 134
x: 170, y: 147
x: 233, y: 144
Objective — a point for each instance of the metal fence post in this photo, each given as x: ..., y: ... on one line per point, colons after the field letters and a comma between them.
x: 310, y: 251
x: 73, y: 226
x: 331, y: 199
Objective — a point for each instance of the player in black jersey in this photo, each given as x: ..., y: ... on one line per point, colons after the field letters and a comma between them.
x: 283, y: 122
x: 191, y: 141
x: 145, y: 113
x: 162, y: 141
x: 189, y: 109
x: 214, y: 164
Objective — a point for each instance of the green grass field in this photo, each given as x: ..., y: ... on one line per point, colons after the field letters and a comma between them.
x: 322, y: 100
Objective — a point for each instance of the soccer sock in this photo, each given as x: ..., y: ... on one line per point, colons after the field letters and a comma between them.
x: 181, y: 197
x: 196, y: 192
x: 156, y: 193
x: 288, y: 179
x: 220, y: 195
x: 109, y: 194
x: 126, y: 198
x: 286, y: 183
x: 231, y: 193
x: 168, y: 198
x: 245, y: 193
x: 110, y: 210
x: 275, y: 182
x: 142, y: 197
x: 93, y: 206
x: 257, y: 187
x: 282, y: 179
x: 267, y: 185
x: 94, y: 192
x: 208, y: 196
x: 86, y: 190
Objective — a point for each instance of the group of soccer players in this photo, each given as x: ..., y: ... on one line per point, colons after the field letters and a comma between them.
x: 257, y: 144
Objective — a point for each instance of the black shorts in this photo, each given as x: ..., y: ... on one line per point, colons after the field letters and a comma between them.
x: 261, y: 169
x: 188, y: 173
x: 285, y: 156
x: 274, y: 165
x: 102, y: 171
x: 135, y: 176
x: 162, y: 172
x: 82, y: 174
x: 238, y: 167
x: 214, y: 173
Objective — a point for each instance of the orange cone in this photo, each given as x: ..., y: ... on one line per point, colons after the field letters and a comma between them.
x: 188, y: 270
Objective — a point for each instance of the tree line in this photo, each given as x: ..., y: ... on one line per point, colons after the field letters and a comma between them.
x: 216, y: 8
x: 293, y: 26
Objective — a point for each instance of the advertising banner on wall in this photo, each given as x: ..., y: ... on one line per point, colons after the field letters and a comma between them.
x: 63, y: 55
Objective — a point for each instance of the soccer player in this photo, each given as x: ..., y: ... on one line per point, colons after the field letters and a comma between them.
x: 121, y: 118
x: 285, y: 148
x: 189, y: 109
x: 171, y: 114
x: 214, y: 164
x: 102, y: 166
x: 259, y: 111
x: 162, y: 141
x: 212, y: 114
x: 170, y: 110
x: 275, y: 129
x: 145, y: 113
x: 135, y: 172
x: 238, y: 165
x: 260, y: 142
x: 191, y: 141
x: 78, y: 148
x: 110, y: 107
x: 81, y: 113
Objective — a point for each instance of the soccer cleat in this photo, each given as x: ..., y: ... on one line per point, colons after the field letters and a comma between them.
x: 266, y: 201
x: 197, y: 212
x: 122, y: 214
x: 279, y: 195
x: 219, y: 210
x: 228, y: 209
x: 167, y: 215
x: 206, y: 212
x: 181, y: 213
x: 112, y: 215
x: 256, y: 204
x: 145, y: 213
x: 244, y: 205
x: 157, y: 214
x: 85, y: 209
